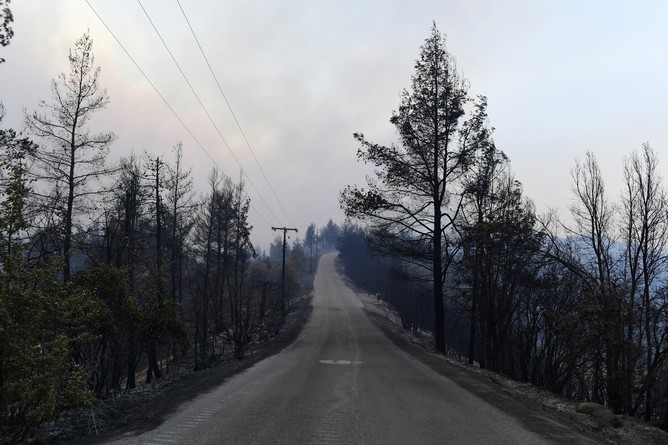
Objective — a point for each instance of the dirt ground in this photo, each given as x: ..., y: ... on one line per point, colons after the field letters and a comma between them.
x: 145, y: 409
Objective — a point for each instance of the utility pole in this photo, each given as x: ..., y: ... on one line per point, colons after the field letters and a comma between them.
x: 285, y: 245
x: 158, y: 230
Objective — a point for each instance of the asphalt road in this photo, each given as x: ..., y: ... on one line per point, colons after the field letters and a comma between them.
x: 344, y: 382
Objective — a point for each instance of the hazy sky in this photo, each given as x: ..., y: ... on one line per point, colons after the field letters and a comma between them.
x: 561, y: 77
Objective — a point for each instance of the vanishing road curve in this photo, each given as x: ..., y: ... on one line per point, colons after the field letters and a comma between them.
x: 343, y: 382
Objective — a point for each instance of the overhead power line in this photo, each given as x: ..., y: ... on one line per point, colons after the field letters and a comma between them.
x: 243, y: 134
x: 250, y: 181
x: 165, y: 100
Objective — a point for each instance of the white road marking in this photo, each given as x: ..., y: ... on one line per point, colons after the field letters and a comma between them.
x: 340, y: 362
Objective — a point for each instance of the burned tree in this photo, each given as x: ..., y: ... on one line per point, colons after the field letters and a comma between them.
x: 73, y: 157
x: 413, y: 201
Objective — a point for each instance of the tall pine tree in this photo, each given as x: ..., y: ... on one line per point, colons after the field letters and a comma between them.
x: 413, y: 202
